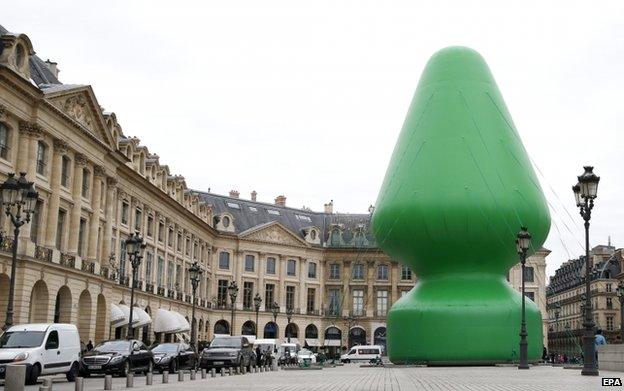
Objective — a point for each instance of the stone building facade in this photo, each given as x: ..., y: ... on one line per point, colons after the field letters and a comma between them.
x: 97, y: 186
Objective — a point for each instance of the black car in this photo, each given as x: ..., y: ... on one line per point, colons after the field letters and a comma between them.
x: 173, y: 356
x: 226, y: 351
x: 117, y: 357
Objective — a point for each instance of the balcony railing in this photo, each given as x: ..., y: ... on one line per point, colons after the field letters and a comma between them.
x: 124, y: 280
x: 381, y: 313
x: 68, y: 260
x: 7, y: 244
x: 88, y: 267
x: 357, y: 312
x: 43, y: 253
x: 311, y: 311
x: 149, y: 287
x: 160, y: 291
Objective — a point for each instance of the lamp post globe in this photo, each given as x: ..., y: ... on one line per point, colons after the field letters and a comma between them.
x: 523, y: 242
x: 195, y: 274
x: 585, y: 191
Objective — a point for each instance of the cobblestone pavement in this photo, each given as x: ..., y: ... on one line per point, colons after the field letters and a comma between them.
x: 353, y: 378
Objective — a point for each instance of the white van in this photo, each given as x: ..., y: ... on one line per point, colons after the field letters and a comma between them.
x: 45, y: 349
x: 362, y: 353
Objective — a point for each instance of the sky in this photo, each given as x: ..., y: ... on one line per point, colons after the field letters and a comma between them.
x: 307, y: 98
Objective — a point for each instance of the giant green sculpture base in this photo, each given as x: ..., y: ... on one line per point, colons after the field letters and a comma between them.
x: 457, y: 190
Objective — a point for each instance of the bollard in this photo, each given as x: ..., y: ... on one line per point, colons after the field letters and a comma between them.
x: 193, y: 374
x: 149, y: 378
x: 262, y: 369
x: 78, y: 384
x: 180, y: 375
x: 165, y: 377
x: 244, y: 370
x: 130, y: 380
x: 108, y: 382
x: 203, y: 373
x: 15, y: 377
x: 47, y: 383
x: 213, y: 372
x: 222, y: 371
x: 44, y: 388
x: 231, y: 371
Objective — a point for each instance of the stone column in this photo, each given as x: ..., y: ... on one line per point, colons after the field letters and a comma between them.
x: 370, y: 290
x: 280, y: 289
x: 27, y: 158
x: 60, y: 149
x: 74, y: 219
x: 237, y: 270
x: 303, y: 293
x: 94, y: 224
x: 111, y: 183
x: 261, y: 271
x: 394, y: 279
x: 346, y: 299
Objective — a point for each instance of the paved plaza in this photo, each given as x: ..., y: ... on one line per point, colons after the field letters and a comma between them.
x: 352, y: 377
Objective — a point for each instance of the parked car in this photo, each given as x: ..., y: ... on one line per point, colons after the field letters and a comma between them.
x: 45, y: 349
x: 226, y: 351
x: 305, y: 356
x: 173, y: 356
x: 362, y: 353
x: 117, y: 357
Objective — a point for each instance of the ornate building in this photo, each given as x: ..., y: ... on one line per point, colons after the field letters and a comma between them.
x: 566, y: 300
x: 97, y: 186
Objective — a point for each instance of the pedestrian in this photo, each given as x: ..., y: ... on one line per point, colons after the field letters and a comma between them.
x: 258, y: 356
x: 89, y: 346
x: 544, y: 354
x: 599, y: 340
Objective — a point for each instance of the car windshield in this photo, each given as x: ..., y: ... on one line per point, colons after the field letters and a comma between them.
x: 226, y: 343
x: 21, y: 339
x: 166, y: 348
x: 113, y: 346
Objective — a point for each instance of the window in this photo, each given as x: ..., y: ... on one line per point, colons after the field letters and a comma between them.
x: 358, y: 271
x: 179, y: 241
x: 150, y: 226
x: 122, y: 257
x: 81, y: 233
x: 188, y: 246
x: 609, y: 303
x: 60, y: 225
x: 85, y: 182
x: 403, y: 293
x: 124, y: 213
x: 311, y: 270
x: 161, y: 232
x: 170, y: 237
x: 160, y: 271
x: 270, y: 265
x: 41, y: 157
x: 311, y: 299
x: 138, y: 220
x: 247, y: 295
x: 233, y: 205
x: 178, y: 277
x: 149, y: 259
x: 303, y: 218
x: 269, y: 296
x: 35, y: 221
x: 170, y: 275
x: 53, y: 340
x: 290, y: 297
x: 334, y: 271
x: 334, y: 302
x: 273, y: 212
x: 250, y: 261
x: 406, y: 273
x: 224, y: 260
x: 608, y: 287
x: 609, y: 323
x: 253, y: 209
x: 222, y: 293
x: 65, y: 171
x: 530, y: 295
x: 382, y: 272
x: 529, y: 274
x: 291, y: 267
x: 334, y: 238
x: 4, y: 141
x: 225, y: 221
x: 358, y: 302
x: 382, y: 303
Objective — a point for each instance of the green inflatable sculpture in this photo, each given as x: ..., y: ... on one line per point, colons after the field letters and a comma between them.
x: 457, y: 190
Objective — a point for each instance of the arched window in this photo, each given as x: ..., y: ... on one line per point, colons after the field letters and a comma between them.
x: 335, y: 237
x: 4, y: 141
x: 270, y: 330
x: 249, y: 328
x: 382, y: 272
x: 333, y: 333
x: 19, y: 55
x: 292, y: 331
x: 41, y: 157
x: 311, y: 332
x: 222, y: 327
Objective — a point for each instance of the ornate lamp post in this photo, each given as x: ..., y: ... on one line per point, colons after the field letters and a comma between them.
x: 233, y: 291
x: 289, y: 314
x: 19, y: 198
x: 275, y: 309
x: 585, y: 192
x: 134, y: 249
x: 523, y: 242
x: 257, y: 303
x: 620, y: 294
x: 195, y: 273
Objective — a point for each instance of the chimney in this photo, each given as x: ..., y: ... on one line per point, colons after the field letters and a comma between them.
x: 234, y: 193
x: 253, y: 195
x: 53, y: 67
x: 329, y: 208
x: 280, y: 200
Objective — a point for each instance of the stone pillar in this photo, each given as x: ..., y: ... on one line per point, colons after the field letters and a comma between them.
x: 111, y: 183
x: 303, y: 293
x: 74, y: 219
x: 60, y: 149
x: 237, y: 269
x: 29, y: 133
x: 261, y: 271
x: 394, y: 279
x: 370, y: 290
x: 96, y: 199
x: 280, y: 289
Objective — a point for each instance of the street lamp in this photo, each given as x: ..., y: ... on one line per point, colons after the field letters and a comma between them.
x: 134, y: 249
x: 584, y: 193
x: 523, y: 242
x: 233, y: 291
x: 18, y: 196
x: 620, y: 294
x: 275, y: 309
x: 257, y: 303
x: 195, y: 273
x: 289, y: 314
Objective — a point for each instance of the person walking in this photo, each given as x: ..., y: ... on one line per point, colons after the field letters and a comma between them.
x: 599, y: 340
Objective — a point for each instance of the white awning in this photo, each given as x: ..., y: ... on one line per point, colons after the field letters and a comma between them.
x: 117, y: 315
x: 332, y: 342
x: 292, y: 340
x: 250, y: 338
x: 184, y: 324
x: 166, y: 322
x: 125, y: 310
x: 312, y: 342
x: 140, y: 317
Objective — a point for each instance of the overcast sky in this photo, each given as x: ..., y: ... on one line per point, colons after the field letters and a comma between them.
x: 306, y: 99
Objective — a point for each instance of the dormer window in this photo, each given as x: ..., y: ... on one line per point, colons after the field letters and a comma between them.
x: 20, y: 55
x: 313, y: 234
x: 225, y: 221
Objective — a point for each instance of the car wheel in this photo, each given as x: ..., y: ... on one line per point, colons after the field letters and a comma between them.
x: 73, y: 373
x: 125, y: 369
x: 32, y: 377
